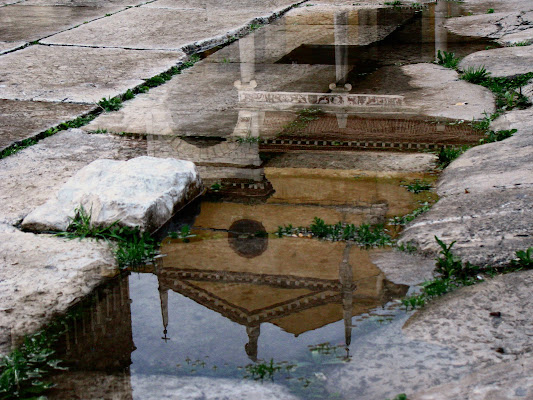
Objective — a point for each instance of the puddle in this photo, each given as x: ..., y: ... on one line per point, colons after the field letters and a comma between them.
x: 235, y: 295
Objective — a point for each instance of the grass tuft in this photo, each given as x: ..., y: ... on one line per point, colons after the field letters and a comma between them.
x: 364, y: 235
x: 448, y: 60
x: 132, y: 247
x: 475, y: 75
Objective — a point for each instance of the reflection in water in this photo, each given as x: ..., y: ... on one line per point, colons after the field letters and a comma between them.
x: 298, y: 285
x: 248, y: 238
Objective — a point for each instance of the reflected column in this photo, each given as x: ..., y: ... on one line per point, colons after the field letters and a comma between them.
x: 249, y: 121
x: 441, y: 34
x: 341, y: 61
x: 347, y: 289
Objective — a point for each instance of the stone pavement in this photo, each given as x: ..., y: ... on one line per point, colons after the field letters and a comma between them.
x: 87, y: 50
x: 79, y: 52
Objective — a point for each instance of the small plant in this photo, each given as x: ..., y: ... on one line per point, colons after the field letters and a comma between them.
x: 395, y: 3
x: 260, y: 371
x: 520, y: 44
x: 128, y: 95
x: 22, y: 372
x: 490, y: 11
x: 304, y: 118
x: 154, y: 81
x: 497, y: 136
x: 215, y: 187
x: 110, y: 104
x: 81, y: 227
x: 132, y: 247
x: 418, y: 186
x: 447, y: 154
x: 254, y: 27
x: 184, y: 234
x: 524, y: 259
x: 248, y: 139
x: 401, y: 396
x: 447, y: 60
x: 475, y: 75
x: 193, y: 59
x: 364, y: 235
x: 450, y: 267
x: 405, y: 219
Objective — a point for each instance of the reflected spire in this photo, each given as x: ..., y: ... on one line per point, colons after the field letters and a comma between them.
x: 347, y: 289
x: 163, y: 297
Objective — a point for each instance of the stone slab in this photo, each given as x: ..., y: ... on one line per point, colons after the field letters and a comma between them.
x: 461, y: 320
x: 41, y: 276
x: 24, y: 119
x: 482, y: 6
x: 158, y: 28
x: 504, y: 62
x: 9, y: 46
x: 187, y: 105
x: 440, y: 93
x: 403, y: 268
x: 25, y: 23
x: 75, y: 74
x: 510, y: 380
x: 264, y: 7
x: 394, y: 363
x: 30, y: 177
x: 516, y: 119
x: 83, y: 3
x: 485, y: 203
x: 143, y: 192
x: 522, y: 37
x: 493, y: 25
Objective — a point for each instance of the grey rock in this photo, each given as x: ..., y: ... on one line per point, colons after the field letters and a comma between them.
x: 404, y: 268
x: 30, y: 177
x: 203, y: 388
x: 442, y: 94
x: 492, y: 26
x: 32, y: 293
x: 462, y: 320
x: 143, y: 191
x: 510, y: 380
x: 522, y: 37
x: 485, y: 201
x: 504, y: 62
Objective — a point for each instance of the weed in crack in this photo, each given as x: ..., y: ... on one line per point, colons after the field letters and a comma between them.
x: 110, y: 104
x: 453, y: 274
x: 132, y: 247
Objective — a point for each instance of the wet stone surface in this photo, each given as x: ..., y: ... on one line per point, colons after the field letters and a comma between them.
x: 328, y: 314
x: 74, y: 74
x: 24, y: 119
x: 29, y: 23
